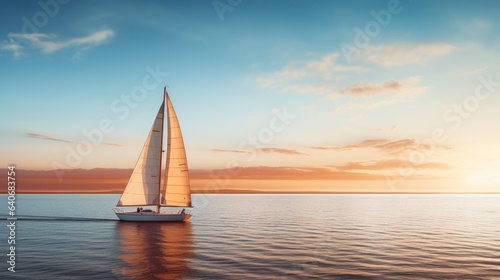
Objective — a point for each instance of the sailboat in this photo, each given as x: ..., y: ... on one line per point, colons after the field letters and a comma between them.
x: 145, y: 187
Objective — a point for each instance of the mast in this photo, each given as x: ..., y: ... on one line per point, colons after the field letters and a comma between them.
x: 158, y: 205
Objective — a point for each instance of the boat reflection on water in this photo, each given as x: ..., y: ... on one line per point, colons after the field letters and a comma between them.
x: 155, y: 250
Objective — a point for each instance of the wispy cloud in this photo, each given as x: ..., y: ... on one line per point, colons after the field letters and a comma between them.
x: 479, y: 24
x: 310, y: 77
x: 405, y: 87
x: 280, y: 151
x: 474, y: 25
x: 473, y: 72
x: 404, y: 54
x: 50, y: 138
x: 379, y: 94
x: 371, y: 89
x: 391, y: 128
x: 262, y: 151
x: 363, y: 144
x: 349, y: 147
x: 45, y: 137
x: 20, y: 43
x: 230, y: 151
x: 394, y: 128
x: 328, y: 76
x: 388, y: 164
x: 392, y: 147
x: 111, y: 144
x: 287, y: 173
x: 13, y: 47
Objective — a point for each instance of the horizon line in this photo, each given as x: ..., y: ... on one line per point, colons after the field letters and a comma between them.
x: 231, y: 191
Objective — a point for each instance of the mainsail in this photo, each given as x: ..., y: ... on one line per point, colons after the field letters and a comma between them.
x: 143, y: 185
x: 175, y: 191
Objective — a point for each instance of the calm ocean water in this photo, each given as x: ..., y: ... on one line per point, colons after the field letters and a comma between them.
x: 262, y: 237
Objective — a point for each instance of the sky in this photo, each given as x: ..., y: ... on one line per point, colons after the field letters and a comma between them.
x: 368, y: 96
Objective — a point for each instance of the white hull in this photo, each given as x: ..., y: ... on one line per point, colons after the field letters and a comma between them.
x: 152, y: 217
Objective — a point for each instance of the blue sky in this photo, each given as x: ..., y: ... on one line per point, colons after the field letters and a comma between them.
x: 230, y: 72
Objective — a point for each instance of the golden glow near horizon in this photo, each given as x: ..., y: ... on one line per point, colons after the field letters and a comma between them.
x: 484, y: 178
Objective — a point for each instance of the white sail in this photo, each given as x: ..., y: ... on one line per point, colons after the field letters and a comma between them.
x: 144, y: 184
x: 175, y: 191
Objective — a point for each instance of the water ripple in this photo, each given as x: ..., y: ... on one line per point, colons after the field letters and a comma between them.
x: 272, y: 237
